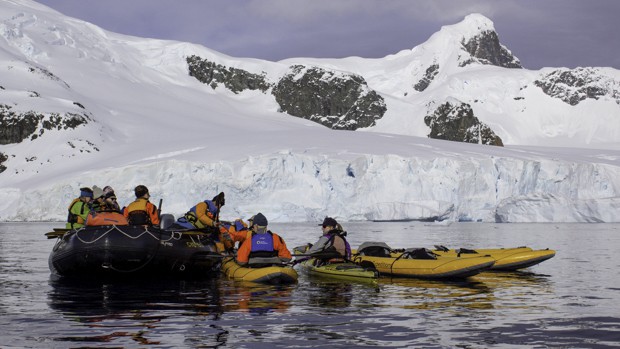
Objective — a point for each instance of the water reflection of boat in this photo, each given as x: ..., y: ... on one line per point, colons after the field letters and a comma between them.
x: 255, y: 298
x: 141, y: 306
x: 487, y: 290
x: 429, y: 294
x: 330, y: 294
x: 513, y: 279
x: 91, y: 298
x: 132, y: 251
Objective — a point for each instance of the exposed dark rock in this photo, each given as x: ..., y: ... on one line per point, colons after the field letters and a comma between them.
x: 576, y: 85
x: 234, y: 79
x: 3, y: 158
x: 336, y: 100
x: 15, y: 127
x: 458, y: 123
x: 46, y: 73
x: 486, y: 49
x: 429, y: 75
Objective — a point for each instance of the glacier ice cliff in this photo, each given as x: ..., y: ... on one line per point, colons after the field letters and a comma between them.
x: 294, y: 187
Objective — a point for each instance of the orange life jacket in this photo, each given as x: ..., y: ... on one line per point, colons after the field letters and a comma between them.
x: 137, y: 212
x: 106, y: 218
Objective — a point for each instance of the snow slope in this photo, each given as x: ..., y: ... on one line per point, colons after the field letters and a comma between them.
x: 153, y: 124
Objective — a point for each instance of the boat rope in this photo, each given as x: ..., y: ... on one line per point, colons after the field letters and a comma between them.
x: 396, y: 259
x: 174, y: 235
x: 153, y: 254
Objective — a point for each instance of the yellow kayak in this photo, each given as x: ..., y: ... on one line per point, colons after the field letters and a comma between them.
x: 505, y: 258
x: 273, y: 274
x: 341, y: 271
x: 418, y: 263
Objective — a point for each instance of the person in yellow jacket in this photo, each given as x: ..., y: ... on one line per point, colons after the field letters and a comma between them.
x: 79, y: 209
x: 204, y: 215
x: 141, y: 211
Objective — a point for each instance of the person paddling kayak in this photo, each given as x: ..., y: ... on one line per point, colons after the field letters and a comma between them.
x: 333, y: 239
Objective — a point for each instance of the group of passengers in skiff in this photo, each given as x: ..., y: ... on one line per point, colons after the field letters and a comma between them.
x: 254, y: 242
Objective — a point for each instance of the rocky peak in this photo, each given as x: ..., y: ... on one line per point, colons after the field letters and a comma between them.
x: 485, y: 48
x: 479, y: 38
x: 474, y: 41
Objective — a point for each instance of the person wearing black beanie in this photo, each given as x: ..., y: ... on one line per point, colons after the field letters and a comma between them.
x: 204, y: 215
x: 333, y: 239
x: 262, y: 246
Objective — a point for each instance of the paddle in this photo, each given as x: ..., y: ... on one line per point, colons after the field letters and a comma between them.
x: 159, y: 209
x: 56, y: 233
x: 320, y: 255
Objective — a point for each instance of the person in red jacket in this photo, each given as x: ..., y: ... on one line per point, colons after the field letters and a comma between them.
x: 262, y: 246
x: 141, y: 211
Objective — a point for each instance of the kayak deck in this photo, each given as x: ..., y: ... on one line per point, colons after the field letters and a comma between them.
x: 341, y: 271
x: 506, y: 259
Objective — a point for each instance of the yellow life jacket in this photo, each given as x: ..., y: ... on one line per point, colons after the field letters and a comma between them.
x: 137, y: 214
x: 74, y: 220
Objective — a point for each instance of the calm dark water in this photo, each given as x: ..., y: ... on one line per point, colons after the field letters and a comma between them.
x: 570, y: 301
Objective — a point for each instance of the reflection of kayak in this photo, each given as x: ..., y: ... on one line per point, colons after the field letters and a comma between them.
x: 132, y: 250
x: 418, y: 263
x: 272, y: 274
x: 340, y: 271
x: 505, y: 258
x: 255, y: 298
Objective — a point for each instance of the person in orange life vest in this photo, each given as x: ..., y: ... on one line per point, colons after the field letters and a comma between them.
x: 333, y: 239
x: 79, y: 209
x: 141, y: 211
x: 204, y: 215
x: 103, y: 210
x: 261, y: 246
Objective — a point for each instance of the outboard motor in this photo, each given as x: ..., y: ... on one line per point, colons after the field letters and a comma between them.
x: 166, y: 221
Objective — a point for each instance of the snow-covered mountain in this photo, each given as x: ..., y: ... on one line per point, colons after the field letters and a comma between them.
x: 80, y: 106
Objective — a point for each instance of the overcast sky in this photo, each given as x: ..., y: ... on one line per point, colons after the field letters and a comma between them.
x: 541, y: 33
